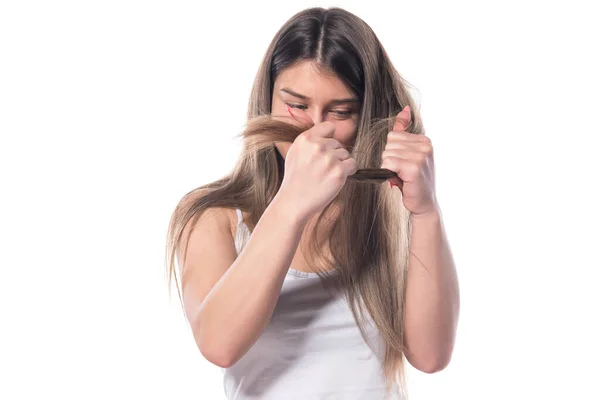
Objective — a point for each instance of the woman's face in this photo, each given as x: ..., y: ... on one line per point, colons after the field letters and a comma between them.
x: 320, y: 95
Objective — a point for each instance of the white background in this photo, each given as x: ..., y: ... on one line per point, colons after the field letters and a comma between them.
x: 111, y: 111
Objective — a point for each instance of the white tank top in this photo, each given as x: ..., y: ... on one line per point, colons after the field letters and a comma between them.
x: 311, y: 348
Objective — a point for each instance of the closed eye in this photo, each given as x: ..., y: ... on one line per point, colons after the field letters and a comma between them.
x: 299, y: 106
x: 342, y: 112
x: 338, y: 114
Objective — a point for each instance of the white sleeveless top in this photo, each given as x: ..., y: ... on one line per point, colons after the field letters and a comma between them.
x: 311, y: 349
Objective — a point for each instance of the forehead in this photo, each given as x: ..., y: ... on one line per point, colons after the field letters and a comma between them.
x: 310, y: 80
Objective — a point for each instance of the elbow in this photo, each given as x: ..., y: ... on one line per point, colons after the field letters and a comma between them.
x: 432, y: 363
x: 218, y: 358
x: 430, y: 355
x: 217, y: 354
x: 212, y: 344
x: 435, y: 366
x: 215, y: 351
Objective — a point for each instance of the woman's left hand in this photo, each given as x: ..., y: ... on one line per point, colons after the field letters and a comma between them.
x: 410, y: 156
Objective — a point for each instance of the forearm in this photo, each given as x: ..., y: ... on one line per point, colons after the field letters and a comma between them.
x: 432, y: 295
x: 240, y: 305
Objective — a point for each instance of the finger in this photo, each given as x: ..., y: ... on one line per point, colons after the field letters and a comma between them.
x: 350, y: 166
x: 403, y: 135
x: 327, y: 143
x: 332, y: 143
x: 341, y: 154
x: 397, y: 145
x: 395, y: 181
x: 403, y: 119
x: 406, y: 169
x: 324, y: 130
x: 404, y: 154
x: 410, y: 145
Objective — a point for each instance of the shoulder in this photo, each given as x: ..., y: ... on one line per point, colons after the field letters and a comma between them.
x: 214, y: 217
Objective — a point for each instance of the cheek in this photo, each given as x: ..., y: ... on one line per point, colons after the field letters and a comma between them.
x: 278, y: 107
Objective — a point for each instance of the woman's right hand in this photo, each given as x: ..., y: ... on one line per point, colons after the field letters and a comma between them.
x: 316, y: 169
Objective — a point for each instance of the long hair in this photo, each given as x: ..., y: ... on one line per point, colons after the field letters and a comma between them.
x: 371, y: 247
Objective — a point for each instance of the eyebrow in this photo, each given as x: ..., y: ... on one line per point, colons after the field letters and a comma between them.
x: 303, y: 97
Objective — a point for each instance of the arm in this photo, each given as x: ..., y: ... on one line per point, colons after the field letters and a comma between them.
x: 432, y: 296
x: 229, y: 300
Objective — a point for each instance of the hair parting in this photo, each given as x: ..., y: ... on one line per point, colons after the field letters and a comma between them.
x: 370, y: 250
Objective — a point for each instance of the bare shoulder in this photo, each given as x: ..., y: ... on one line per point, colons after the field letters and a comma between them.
x: 220, y: 218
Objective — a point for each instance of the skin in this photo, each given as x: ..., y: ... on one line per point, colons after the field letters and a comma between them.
x: 432, y: 292
x: 229, y: 305
x: 320, y: 90
x: 313, y: 96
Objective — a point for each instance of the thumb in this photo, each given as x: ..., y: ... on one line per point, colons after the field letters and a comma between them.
x: 402, y: 120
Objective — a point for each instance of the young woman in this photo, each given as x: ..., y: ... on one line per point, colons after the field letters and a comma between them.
x: 297, y: 278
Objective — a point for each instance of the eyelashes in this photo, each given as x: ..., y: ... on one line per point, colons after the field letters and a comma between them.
x: 298, y: 106
x: 343, y: 114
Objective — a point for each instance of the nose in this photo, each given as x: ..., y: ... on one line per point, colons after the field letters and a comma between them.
x: 316, y: 116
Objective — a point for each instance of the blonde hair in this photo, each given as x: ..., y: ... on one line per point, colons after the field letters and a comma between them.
x: 370, y: 249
